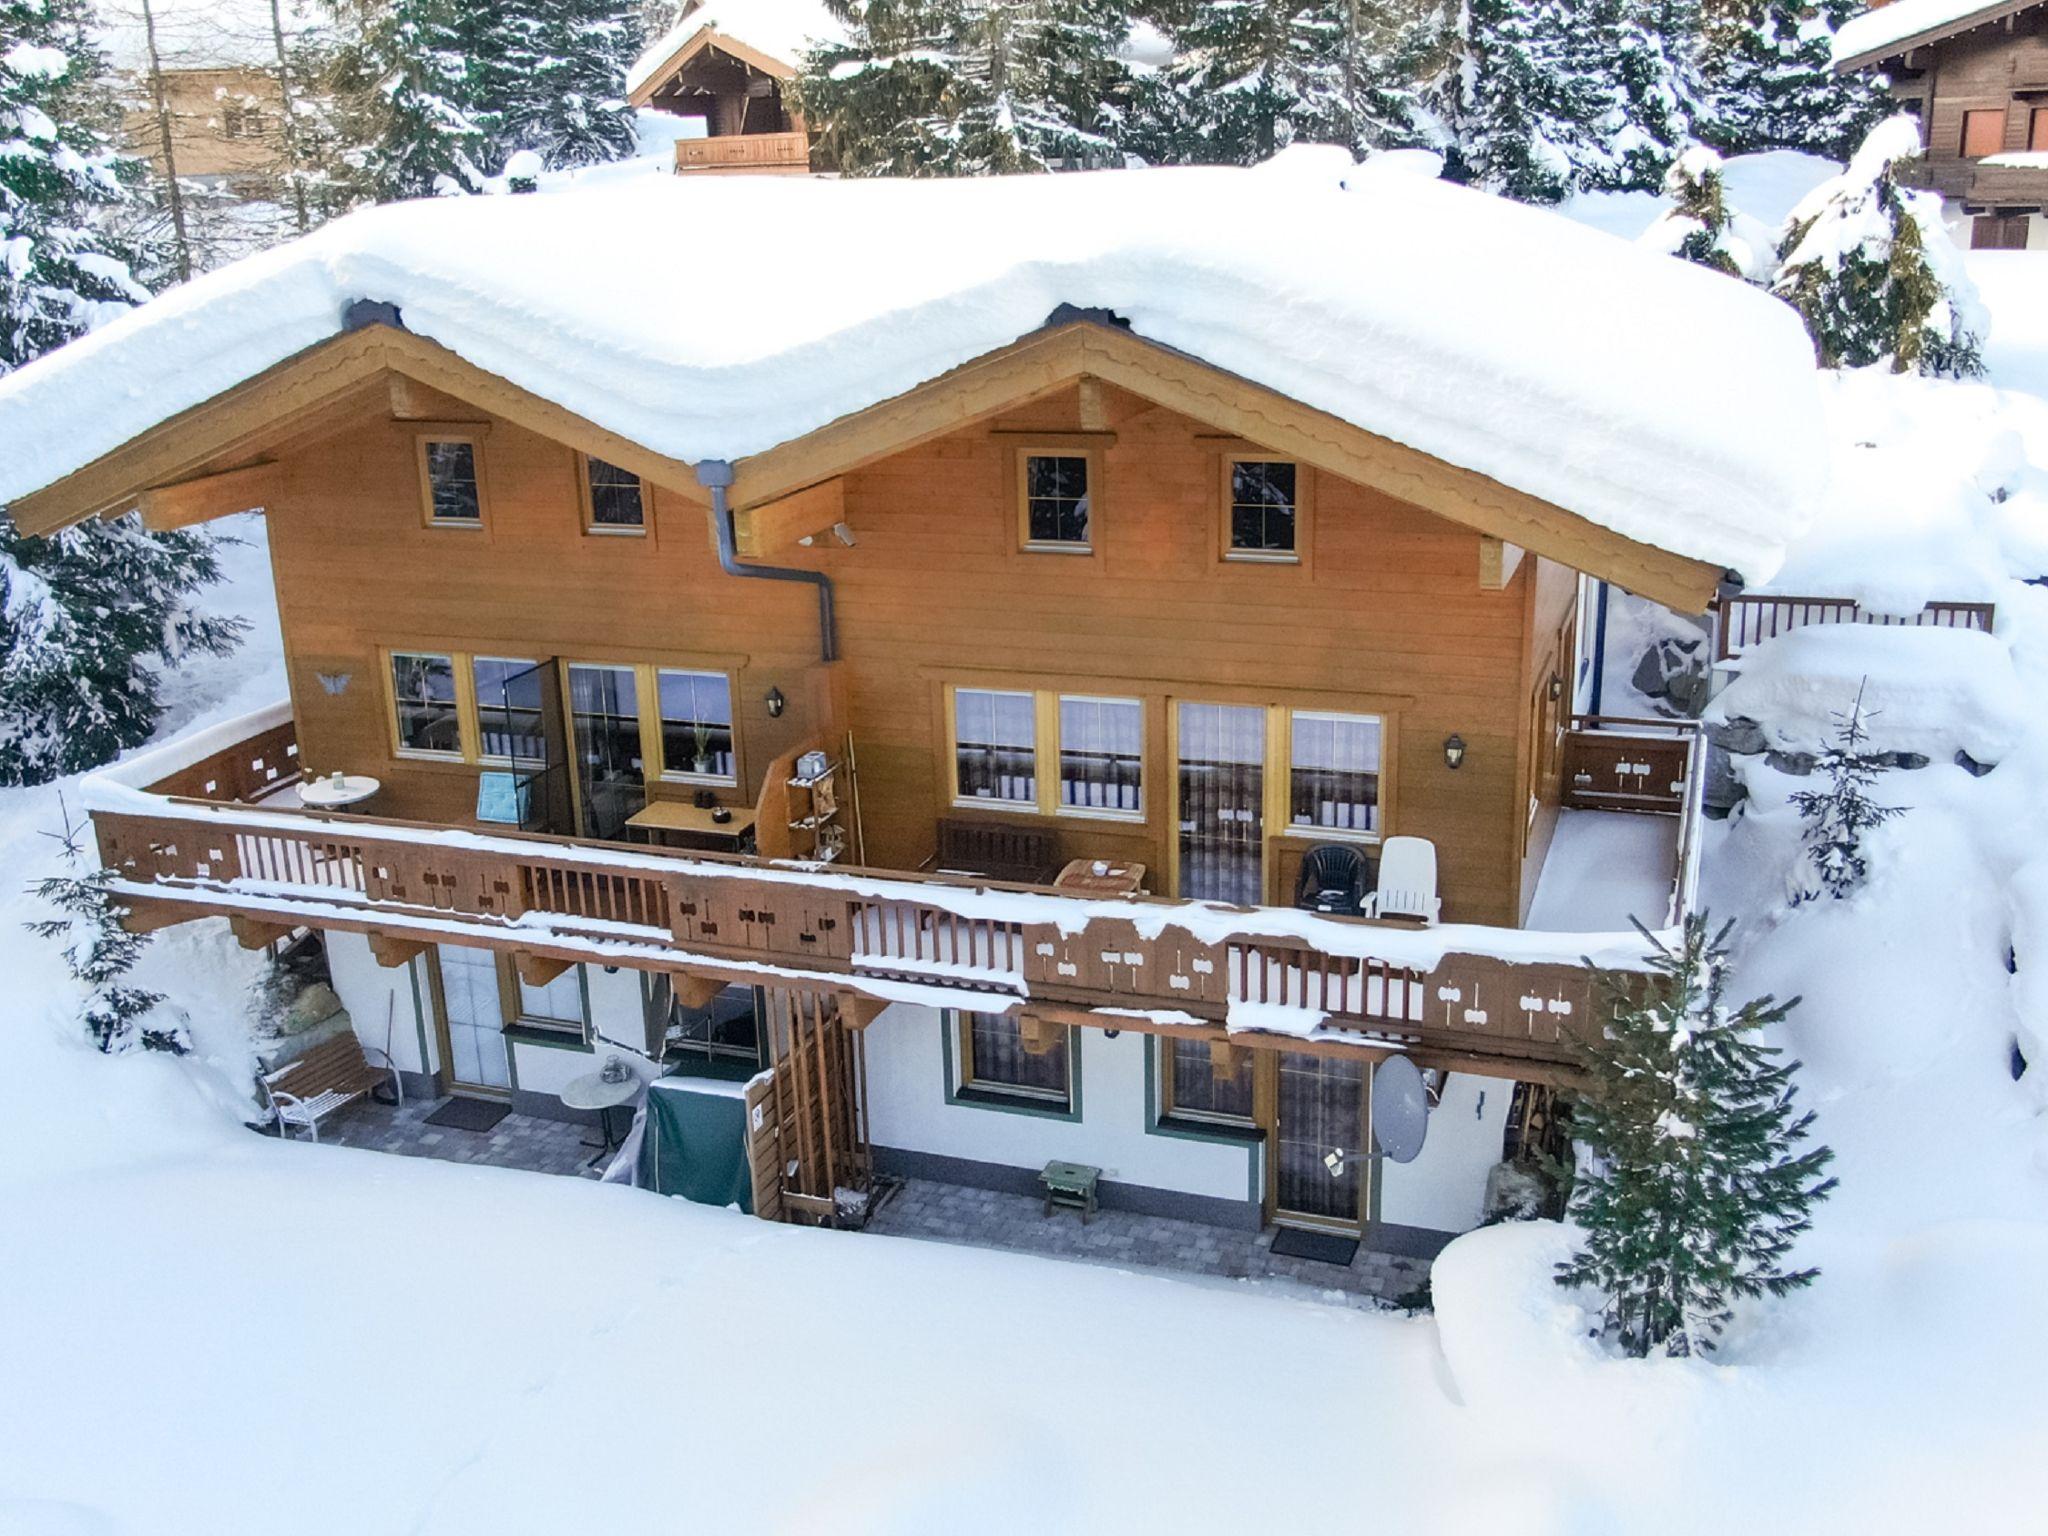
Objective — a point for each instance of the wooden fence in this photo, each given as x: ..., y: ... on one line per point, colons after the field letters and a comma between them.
x: 1744, y: 621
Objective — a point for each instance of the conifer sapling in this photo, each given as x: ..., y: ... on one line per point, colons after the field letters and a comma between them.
x: 1838, y: 817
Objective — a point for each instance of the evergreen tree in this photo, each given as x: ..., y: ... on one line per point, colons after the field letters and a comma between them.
x: 1770, y: 80
x: 967, y: 87
x: 562, y: 88
x: 1838, y: 816
x: 401, y: 78
x: 1700, y: 226
x: 100, y: 952
x: 1643, y: 57
x: 1872, y: 271
x: 1513, y: 109
x: 1696, y: 1191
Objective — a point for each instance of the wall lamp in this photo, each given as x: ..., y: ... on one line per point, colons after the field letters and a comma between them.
x: 1454, y: 751
x: 776, y: 703
x: 1556, y: 687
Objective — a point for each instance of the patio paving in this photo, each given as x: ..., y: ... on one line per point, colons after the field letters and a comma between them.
x: 983, y: 1218
x: 517, y: 1141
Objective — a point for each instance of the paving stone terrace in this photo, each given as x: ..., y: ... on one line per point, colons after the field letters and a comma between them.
x: 919, y: 1208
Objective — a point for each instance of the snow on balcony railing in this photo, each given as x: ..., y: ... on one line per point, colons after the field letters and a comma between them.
x: 1752, y: 618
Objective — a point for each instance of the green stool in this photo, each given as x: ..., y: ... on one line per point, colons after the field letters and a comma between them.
x: 1070, y: 1184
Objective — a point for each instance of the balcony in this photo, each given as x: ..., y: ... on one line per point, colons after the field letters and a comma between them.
x: 210, y: 827
x: 776, y: 154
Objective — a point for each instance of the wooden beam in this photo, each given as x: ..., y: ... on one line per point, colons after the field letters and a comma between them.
x: 252, y: 488
x: 254, y: 933
x: 857, y: 1011
x: 1224, y: 1057
x: 394, y: 950
x: 1040, y: 1033
x: 1498, y: 562
x: 777, y: 524
x: 1094, y: 414
x: 537, y: 970
x: 143, y: 915
x: 692, y: 991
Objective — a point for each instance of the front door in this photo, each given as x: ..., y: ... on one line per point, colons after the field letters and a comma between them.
x: 473, y: 1020
x: 1222, y: 802
x: 1321, y: 1110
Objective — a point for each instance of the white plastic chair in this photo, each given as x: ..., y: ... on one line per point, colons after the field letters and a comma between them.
x: 1407, y: 883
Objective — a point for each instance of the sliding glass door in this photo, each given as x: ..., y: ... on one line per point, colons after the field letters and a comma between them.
x: 611, y: 777
x: 1222, y: 808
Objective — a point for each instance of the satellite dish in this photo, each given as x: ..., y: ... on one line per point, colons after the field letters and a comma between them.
x: 1400, y: 1108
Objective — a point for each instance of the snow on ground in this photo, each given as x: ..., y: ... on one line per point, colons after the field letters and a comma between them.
x: 2014, y: 286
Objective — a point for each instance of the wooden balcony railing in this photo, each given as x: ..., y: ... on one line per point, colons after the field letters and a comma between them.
x: 1150, y: 962
x: 1748, y: 620
x: 786, y: 152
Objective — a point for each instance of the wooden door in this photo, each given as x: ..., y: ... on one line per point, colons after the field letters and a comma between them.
x: 1320, y: 1108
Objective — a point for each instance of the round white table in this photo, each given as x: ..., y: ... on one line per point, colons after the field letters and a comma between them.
x: 591, y: 1091
x: 324, y: 794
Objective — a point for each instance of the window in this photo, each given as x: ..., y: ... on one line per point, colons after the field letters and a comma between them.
x: 508, y: 709
x: 997, y: 1061
x: 604, y: 713
x: 454, y: 491
x: 696, y: 725
x: 1102, y: 755
x: 1333, y: 781
x: 1983, y: 133
x: 613, y: 501
x: 1261, y: 512
x: 423, y: 704
x: 1196, y: 1089
x: 1056, y: 501
x: 995, y: 746
x: 557, y: 1006
x: 728, y: 1027
x: 2037, y: 130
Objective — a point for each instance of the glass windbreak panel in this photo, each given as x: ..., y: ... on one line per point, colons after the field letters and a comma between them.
x: 696, y: 724
x: 1102, y: 755
x: 998, y: 1061
x: 451, y: 475
x: 604, y: 710
x: 1322, y: 1110
x: 559, y: 1003
x: 995, y: 745
x: 1056, y: 499
x: 423, y: 693
x: 508, y: 709
x: 1198, y: 1090
x: 616, y: 501
x: 1262, y: 507
x: 1222, y: 802
x: 1334, y: 781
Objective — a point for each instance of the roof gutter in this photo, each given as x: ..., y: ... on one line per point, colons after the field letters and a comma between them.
x: 715, y: 475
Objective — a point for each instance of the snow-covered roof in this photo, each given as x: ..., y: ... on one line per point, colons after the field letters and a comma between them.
x: 1665, y: 402
x: 199, y: 34
x: 1876, y: 32
x: 781, y: 29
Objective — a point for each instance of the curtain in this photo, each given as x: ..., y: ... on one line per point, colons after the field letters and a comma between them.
x: 1102, y: 754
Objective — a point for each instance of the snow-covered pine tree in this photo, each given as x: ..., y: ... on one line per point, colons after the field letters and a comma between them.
x: 100, y: 952
x: 1696, y: 1189
x: 1511, y: 104
x: 1702, y: 226
x: 562, y: 87
x: 401, y: 81
x: 1838, y: 817
x: 1641, y: 58
x: 1872, y: 271
x: 967, y: 87
x: 1770, y: 82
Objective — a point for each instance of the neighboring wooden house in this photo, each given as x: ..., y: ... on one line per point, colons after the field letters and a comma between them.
x: 1976, y: 74
x: 726, y: 62
x: 1079, y: 610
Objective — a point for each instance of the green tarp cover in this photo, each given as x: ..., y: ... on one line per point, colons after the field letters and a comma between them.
x: 695, y: 1142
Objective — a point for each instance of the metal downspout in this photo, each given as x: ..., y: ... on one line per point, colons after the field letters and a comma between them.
x: 715, y: 475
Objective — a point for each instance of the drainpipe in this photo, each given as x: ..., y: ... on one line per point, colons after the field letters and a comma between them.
x: 715, y: 475
x: 1599, y: 649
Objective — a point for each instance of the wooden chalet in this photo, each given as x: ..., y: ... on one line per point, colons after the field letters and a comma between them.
x: 1977, y: 78
x: 955, y: 764
x: 719, y: 63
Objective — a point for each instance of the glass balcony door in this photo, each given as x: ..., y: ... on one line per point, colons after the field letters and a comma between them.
x: 1222, y: 802
x: 611, y: 772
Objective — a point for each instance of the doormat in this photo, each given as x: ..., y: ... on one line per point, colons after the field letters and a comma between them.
x: 1321, y: 1247
x: 478, y: 1115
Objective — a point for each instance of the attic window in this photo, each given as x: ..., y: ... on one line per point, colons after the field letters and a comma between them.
x: 1261, y: 510
x: 613, y: 501
x: 1056, y: 496
x: 451, y: 482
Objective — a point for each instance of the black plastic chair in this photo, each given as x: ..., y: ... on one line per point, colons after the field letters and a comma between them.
x: 1335, y: 877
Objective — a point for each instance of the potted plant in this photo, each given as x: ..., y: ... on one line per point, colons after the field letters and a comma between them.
x: 702, y: 734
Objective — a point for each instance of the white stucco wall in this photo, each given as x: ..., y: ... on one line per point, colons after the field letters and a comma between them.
x: 907, y: 1090
x: 374, y: 994
x: 615, y: 1015
x: 1445, y: 1187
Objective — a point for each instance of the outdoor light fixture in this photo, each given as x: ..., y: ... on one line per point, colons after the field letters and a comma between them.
x: 1556, y: 686
x: 776, y: 703
x: 1454, y: 751
x: 844, y: 535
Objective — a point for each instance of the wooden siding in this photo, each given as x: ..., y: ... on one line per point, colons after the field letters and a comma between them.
x: 1386, y: 614
x: 1991, y: 69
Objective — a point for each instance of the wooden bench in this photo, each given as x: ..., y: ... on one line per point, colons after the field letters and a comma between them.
x: 335, y: 1072
x: 996, y: 850
x: 1070, y: 1184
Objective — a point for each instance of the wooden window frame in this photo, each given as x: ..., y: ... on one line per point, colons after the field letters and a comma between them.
x: 1288, y: 827
x: 1304, y: 500
x: 1049, y: 783
x: 951, y: 746
x: 1173, y: 1113
x: 1055, y: 447
x: 423, y: 439
x: 2037, y: 130
x: 668, y: 775
x: 535, y: 1028
x: 471, y: 706
x: 962, y: 1087
x: 587, y: 500
x: 2003, y: 114
x: 465, y: 712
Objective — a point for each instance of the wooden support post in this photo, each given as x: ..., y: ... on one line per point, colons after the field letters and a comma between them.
x: 1094, y: 413
x: 254, y: 933
x: 1041, y: 1035
x: 1498, y: 562
x: 395, y: 950
x: 1223, y: 1057
x: 857, y: 1011
x: 538, y: 970
x: 248, y: 489
x: 776, y: 524
x: 693, y: 992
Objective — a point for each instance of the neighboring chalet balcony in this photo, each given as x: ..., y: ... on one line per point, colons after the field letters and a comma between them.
x: 786, y: 154
x: 215, y: 826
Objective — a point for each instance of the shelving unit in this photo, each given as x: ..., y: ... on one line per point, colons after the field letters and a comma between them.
x: 815, y: 830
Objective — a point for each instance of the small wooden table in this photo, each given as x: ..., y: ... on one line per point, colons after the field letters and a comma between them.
x: 1070, y: 1184
x: 682, y: 825
x: 1115, y: 878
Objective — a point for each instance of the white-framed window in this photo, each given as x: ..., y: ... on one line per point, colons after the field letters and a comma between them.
x: 1262, y: 509
x: 614, y: 501
x: 451, y: 480
x: 1333, y: 777
x: 1056, y: 494
x: 696, y: 725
